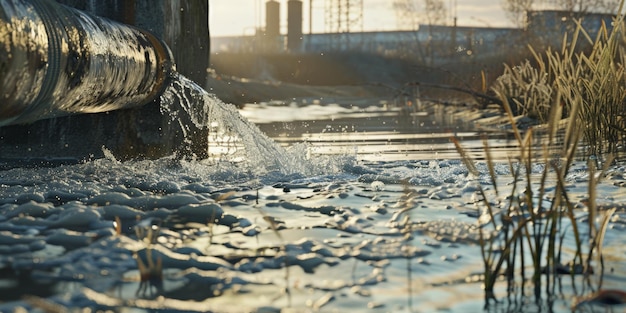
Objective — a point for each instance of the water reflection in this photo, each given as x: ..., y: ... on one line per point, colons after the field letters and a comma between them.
x: 375, y: 130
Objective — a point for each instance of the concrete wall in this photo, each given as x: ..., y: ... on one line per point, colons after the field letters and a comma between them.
x: 547, y: 27
x: 364, y: 41
x: 429, y: 42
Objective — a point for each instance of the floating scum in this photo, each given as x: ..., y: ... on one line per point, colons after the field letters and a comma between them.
x: 338, y: 240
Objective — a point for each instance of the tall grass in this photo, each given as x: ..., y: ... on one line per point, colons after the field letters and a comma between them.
x: 594, y: 80
x: 578, y: 97
x: 522, y: 239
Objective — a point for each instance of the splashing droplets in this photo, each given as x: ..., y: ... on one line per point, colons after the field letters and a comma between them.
x: 199, y: 116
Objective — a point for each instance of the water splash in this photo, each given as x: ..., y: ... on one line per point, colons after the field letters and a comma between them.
x: 201, y: 116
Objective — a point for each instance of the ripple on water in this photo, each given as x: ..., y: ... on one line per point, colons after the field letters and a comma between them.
x: 336, y: 242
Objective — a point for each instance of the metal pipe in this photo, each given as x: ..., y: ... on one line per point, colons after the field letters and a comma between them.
x: 55, y: 60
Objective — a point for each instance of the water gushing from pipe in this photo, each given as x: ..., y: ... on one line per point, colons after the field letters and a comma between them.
x: 231, y: 137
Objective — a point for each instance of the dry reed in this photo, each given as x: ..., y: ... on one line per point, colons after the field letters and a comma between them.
x: 578, y: 97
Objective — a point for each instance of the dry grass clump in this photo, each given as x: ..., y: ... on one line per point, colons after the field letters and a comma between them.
x: 594, y: 80
x: 579, y: 97
x: 522, y: 238
x: 528, y: 90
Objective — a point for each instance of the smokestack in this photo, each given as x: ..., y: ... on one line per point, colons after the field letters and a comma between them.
x: 294, y: 25
x: 272, y: 25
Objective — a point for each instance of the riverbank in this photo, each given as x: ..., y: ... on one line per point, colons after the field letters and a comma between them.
x: 240, y: 78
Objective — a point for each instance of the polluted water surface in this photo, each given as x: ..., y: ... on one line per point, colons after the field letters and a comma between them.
x: 261, y: 227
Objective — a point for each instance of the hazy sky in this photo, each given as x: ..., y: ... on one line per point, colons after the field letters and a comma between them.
x: 239, y: 17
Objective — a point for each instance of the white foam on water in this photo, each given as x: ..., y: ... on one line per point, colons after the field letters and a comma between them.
x: 339, y: 233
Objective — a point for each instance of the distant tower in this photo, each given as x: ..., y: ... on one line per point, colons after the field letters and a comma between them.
x: 294, y: 25
x: 343, y: 17
x: 272, y: 25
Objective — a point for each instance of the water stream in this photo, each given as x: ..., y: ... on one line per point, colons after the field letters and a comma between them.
x: 306, y: 224
x: 231, y: 138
